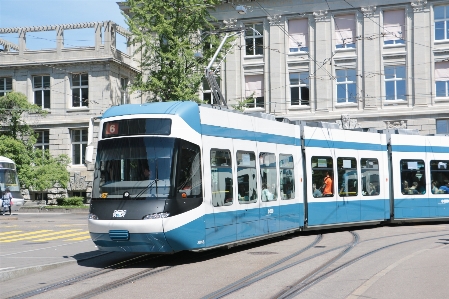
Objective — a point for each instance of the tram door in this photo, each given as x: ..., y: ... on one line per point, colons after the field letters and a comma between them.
x: 248, y: 189
x: 268, y: 163
x: 220, y: 188
x: 347, y: 187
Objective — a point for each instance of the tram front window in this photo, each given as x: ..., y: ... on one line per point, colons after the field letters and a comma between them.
x: 141, y: 166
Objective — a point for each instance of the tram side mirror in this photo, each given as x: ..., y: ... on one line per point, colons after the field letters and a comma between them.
x: 89, y: 154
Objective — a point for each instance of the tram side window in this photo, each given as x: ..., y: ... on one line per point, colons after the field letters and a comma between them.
x: 439, y: 176
x: 268, y: 176
x: 221, y: 177
x: 347, y: 176
x: 190, y: 170
x: 322, y: 176
x: 370, y: 176
x: 287, y: 176
x: 413, y: 179
x: 246, y: 176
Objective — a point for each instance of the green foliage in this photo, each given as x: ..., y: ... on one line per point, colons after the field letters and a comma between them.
x: 14, y: 106
x: 242, y: 104
x: 19, y: 152
x: 168, y: 34
x: 37, y: 170
x: 48, y: 171
x: 70, y: 201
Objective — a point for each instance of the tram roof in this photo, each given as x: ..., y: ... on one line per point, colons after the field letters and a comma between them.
x: 187, y: 110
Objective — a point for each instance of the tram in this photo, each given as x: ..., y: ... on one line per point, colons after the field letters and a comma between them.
x: 173, y: 176
x: 9, y: 179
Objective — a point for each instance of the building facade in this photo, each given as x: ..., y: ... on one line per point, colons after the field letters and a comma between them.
x: 74, y: 85
x: 379, y: 64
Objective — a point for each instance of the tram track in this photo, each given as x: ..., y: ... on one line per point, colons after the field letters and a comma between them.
x: 79, y: 278
x: 312, y: 278
x: 265, y: 272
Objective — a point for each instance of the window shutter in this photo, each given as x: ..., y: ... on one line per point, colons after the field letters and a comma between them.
x: 394, y: 25
x: 344, y: 29
x: 298, y: 31
x: 254, y: 84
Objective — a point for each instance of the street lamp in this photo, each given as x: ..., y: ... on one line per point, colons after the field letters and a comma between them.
x: 241, y: 9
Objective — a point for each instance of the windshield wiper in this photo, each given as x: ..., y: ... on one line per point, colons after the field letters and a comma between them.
x: 150, y: 185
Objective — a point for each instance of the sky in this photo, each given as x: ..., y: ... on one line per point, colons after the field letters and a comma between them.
x: 27, y: 13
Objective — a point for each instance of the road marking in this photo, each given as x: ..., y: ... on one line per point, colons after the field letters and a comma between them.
x: 79, y: 238
x: 41, y: 248
x: 367, y: 284
x: 61, y: 237
x: 21, y: 238
x: 25, y: 234
x: 11, y: 232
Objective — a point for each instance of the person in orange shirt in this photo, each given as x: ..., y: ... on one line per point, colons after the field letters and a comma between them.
x: 327, y: 187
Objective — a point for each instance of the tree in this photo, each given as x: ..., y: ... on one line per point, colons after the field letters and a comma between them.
x: 168, y: 35
x: 36, y: 169
x: 13, y: 106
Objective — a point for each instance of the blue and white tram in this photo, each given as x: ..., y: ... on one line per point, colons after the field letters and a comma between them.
x: 181, y: 176
x: 10, y: 180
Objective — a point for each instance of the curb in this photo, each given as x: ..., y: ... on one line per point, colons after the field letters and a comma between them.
x: 57, y: 210
x: 11, y: 274
x: 7, y: 275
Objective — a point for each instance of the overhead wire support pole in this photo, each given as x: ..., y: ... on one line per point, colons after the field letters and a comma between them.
x: 215, y: 88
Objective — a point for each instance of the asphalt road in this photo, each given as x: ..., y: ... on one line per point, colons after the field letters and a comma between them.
x: 44, y: 249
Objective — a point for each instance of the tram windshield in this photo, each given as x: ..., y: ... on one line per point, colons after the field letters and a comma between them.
x: 146, y: 167
x: 9, y: 179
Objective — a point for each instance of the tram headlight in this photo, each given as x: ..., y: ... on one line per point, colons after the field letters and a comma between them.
x: 93, y: 217
x: 155, y: 216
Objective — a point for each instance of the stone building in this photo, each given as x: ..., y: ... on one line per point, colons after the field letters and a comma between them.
x: 74, y: 84
x: 380, y: 64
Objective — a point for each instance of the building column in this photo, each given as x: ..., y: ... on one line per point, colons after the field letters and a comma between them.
x: 422, y: 63
x: 59, y: 39
x: 22, y: 41
x: 275, y: 68
x: 98, y: 27
x: 107, y: 37
x: 321, y: 72
x: 371, y: 65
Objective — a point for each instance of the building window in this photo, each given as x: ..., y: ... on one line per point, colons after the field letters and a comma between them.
x: 80, y: 90
x: 299, y: 89
x: 394, y: 27
x: 78, y: 194
x: 298, y: 31
x: 442, y: 79
x: 395, y: 82
x: 41, y: 89
x: 346, y: 86
x: 124, y: 90
x: 254, y: 91
x: 79, y: 143
x: 441, y: 16
x: 254, y: 39
x: 345, y: 31
x: 43, y: 140
x: 5, y: 86
x: 442, y: 126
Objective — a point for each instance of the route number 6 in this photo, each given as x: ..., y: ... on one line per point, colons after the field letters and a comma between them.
x: 111, y: 128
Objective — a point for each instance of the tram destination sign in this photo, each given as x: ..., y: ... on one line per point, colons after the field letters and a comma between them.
x: 137, y: 126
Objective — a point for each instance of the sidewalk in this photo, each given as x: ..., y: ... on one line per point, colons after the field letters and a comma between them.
x: 31, y: 207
